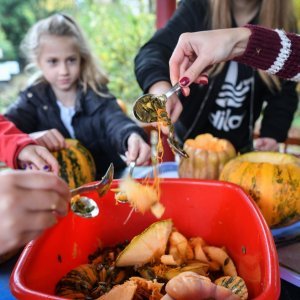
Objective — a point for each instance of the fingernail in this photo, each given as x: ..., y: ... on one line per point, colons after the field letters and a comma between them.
x: 184, y: 81
x: 203, y: 81
x: 30, y: 166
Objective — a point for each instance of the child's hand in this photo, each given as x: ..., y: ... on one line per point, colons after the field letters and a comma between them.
x: 138, y: 150
x: 29, y: 203
x: 52, y: 139
x: 37, y: 158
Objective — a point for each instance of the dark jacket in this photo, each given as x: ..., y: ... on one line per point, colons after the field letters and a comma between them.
x: 99, y: 124
x: 232, y: 101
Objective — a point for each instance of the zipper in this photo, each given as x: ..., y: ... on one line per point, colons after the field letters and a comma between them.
x: 199, y: 111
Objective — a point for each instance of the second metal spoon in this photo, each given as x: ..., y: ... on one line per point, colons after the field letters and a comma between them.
x: 86, y: 207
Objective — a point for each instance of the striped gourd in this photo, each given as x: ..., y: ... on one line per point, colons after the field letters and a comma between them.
x: 77, y: 165
x: 78, y: 283
x: 234, y: 283
x: 272, y: 179
x: 207, y: 157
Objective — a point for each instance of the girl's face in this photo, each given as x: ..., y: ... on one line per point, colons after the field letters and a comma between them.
x: 59, y: 60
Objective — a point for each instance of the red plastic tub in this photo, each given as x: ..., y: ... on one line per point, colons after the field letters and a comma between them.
x: 219, y: 212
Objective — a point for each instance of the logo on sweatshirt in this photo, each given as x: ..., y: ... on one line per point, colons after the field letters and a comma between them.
x: 231, y: 98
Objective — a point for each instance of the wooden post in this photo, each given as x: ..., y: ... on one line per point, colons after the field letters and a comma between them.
x: 164, y: 10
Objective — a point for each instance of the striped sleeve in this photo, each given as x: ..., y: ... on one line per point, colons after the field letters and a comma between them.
x: 274, y: 51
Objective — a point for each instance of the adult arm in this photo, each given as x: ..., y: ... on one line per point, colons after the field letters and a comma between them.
x: 273, y: 51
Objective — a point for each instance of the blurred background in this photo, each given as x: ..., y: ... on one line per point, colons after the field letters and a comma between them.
x: 116, y: 29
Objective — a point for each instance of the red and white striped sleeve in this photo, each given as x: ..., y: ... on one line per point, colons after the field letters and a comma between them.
x: 274, y: 51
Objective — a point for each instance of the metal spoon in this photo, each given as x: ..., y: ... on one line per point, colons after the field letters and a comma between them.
x: 86, y: 207
x: 146, y: 110
x: 132, y: 165
x: 145, y: 107
x: 119, y: 199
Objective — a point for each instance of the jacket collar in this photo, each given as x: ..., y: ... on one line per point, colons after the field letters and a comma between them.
x: 88, y: 102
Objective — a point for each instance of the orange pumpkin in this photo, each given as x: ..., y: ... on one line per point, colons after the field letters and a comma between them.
x: 272, y: 179
x: 207, y: 157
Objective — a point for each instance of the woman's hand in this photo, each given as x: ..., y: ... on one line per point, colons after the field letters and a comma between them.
x: 138, y: 150
x: 196, y: 52
x: 52, y: 139
x: 37, y: 158
x: 29, y: 203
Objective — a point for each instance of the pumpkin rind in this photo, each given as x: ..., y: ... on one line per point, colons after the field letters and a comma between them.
x: 77, y: 165
x: 273, y: 181
x: 207, y: 157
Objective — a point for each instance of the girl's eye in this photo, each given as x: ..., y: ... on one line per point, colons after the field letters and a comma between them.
x: 52, y: 61
x: 72, y: 59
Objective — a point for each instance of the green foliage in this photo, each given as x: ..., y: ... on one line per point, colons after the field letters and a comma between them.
x: 116, y: 34
x: 17, y: 16
x: 6, y: 47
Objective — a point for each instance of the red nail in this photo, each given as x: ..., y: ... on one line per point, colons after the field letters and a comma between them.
x: 184, y: 81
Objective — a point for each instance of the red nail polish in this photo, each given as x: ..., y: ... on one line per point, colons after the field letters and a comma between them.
x: 184, y: 81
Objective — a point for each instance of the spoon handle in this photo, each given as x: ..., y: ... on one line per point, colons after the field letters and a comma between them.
x: 173, y: 90
x: 131, y: 167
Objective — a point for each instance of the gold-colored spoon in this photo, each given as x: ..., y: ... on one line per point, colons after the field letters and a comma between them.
x: 152, y: 108
x: 145, y: 107
x: 86, y: 207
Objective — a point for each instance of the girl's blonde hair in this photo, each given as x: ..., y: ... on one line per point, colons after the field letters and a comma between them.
x: 91, y: 75
x: 272, y: 14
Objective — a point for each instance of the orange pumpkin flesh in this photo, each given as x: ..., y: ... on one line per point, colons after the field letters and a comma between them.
x: 273, y: 181
x: 207, y: 157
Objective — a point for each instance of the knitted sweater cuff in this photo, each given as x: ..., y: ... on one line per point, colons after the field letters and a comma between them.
x: 274, y: 51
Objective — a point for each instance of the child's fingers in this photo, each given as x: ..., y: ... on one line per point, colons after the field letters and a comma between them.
x: 50, y: 161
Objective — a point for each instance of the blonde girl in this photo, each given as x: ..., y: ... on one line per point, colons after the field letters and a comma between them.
x: 68, y: 98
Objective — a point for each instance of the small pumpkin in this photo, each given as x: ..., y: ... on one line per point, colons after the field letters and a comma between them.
x: 77, y: 165
x: 207, y: 157
x: 272, y: 179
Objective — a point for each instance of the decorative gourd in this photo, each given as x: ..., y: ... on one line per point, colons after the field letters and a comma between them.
x: 272, y: 179
x: 207, y: 157
x: 77, y: 165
